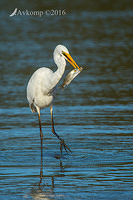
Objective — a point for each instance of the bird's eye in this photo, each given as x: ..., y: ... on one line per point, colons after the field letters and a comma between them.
x: 63, y: 53
x: 66, y: 56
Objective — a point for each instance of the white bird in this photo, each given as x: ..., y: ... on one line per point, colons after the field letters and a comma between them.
x: 41, y: 87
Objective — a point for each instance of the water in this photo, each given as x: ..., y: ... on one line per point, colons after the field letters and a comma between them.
x: 93, y: 114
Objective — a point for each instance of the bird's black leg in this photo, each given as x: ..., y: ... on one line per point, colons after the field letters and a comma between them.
x: 41, y: 134
x: 41, y: 138
x: 62, y: 143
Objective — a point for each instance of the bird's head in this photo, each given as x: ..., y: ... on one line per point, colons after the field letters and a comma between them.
x: 61, y: 50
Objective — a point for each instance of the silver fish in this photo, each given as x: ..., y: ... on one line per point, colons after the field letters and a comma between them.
x: 70, y: 76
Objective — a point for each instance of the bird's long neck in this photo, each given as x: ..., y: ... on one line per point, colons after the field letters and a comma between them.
x: 61, y: 64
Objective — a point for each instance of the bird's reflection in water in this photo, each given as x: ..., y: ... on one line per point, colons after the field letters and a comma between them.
x: 45, y: 190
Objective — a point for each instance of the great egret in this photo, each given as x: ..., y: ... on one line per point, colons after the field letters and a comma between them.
x: 41, y: 87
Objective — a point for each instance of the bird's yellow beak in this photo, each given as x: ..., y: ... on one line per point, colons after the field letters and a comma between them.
x: 70, y: 60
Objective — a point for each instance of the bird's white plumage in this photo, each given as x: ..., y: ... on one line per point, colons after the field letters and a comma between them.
x: 41, y: 86
x: 40, y: 89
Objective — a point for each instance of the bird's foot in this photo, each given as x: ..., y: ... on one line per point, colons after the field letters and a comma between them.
x: 62, y: 143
